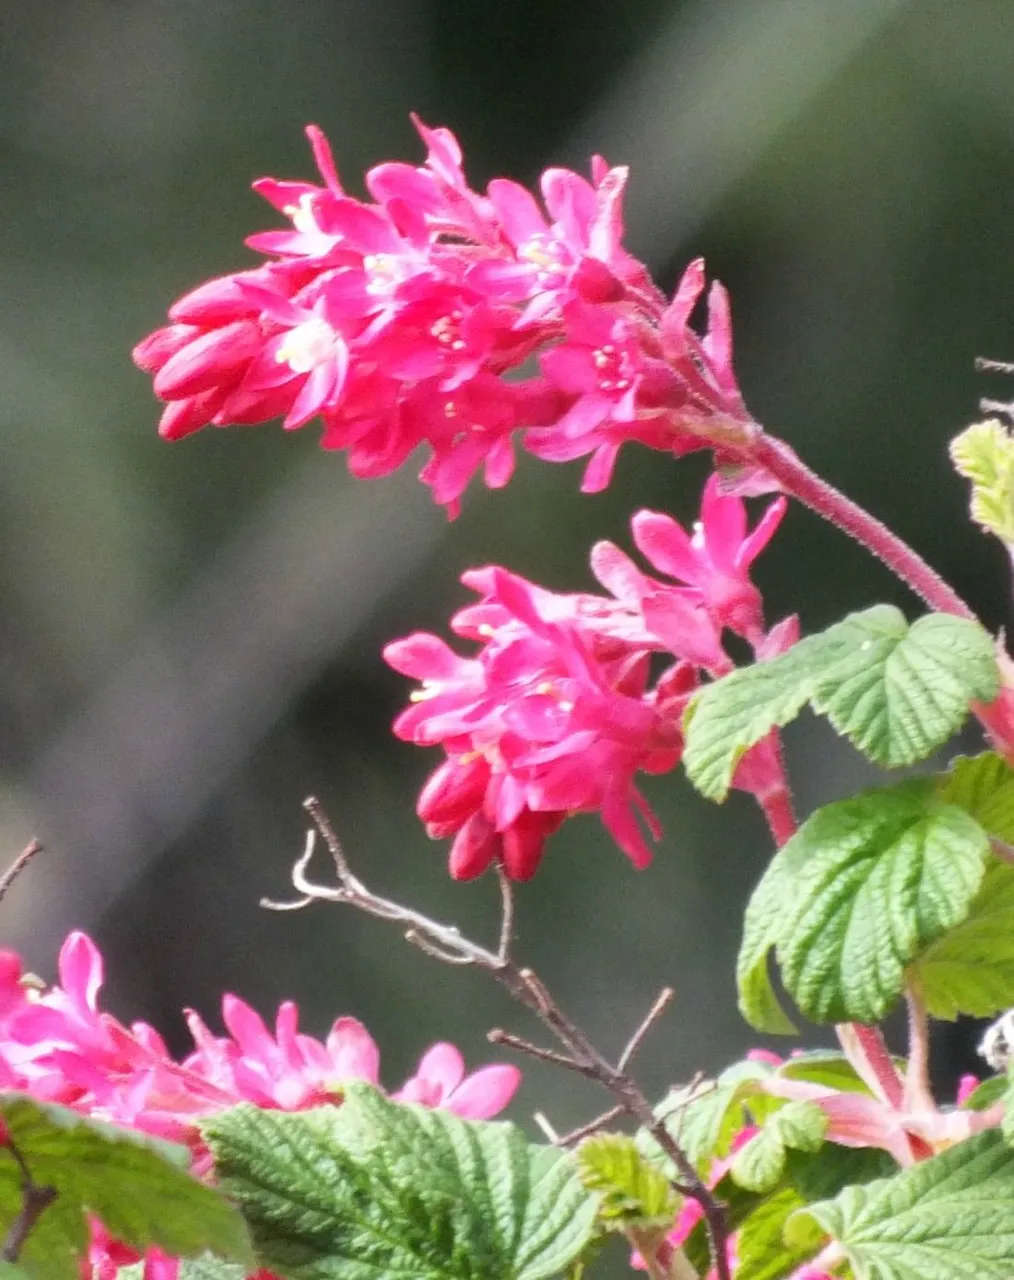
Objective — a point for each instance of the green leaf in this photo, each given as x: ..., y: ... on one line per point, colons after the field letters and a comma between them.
x: 204, y: 1268
x: 970, y: 970
x: 984, y: 454
x: 984, y: 1095
x: 897, y: 692
x: 855, y: 896
x: 983, y: 786
x: 905, y: 695
x: 136, y: 1185
x: 1007, y: 1123
x: 759, y: 1219
x: 825, y: 1067
x: 948, y: 1218
x: 633, y: 1191
x: 761, y: 1251
x: 800, y: 1125
x: 759, y: 1164
x: 375, y: 1187
x: 704, y: 1118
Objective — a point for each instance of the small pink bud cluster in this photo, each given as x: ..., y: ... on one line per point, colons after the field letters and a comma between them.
x: 558, y: 710
x: 59, y: 1046
x: 413, y: 318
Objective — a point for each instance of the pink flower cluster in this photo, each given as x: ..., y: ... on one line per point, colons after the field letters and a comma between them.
x: 59, y: 1046
x: 558, y: 711
x: 413, y: 318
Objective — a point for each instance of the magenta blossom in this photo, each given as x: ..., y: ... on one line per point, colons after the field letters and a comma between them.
x: 553, y: 716
x: 411, y: 319
x: 58, y: 1045
x: 714, y: 561
x: 556, y: 711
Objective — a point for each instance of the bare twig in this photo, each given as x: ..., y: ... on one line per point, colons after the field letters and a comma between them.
x: 544, y: 1124
x: 506, y: 914
x: 663, y: 1001
x: 1003, y: 407
x: 17, y: 866
x: 35, y: 1199
x: 983, y: 365
x: 593, y: 1126
x: 499, y: 1036
x: 446, y: 943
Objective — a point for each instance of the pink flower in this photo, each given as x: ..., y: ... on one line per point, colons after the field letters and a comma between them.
x: 552, y: 717
x: 440, y: 1081
x: 58, y: 1045
x: 715, y: 560
x: 410, y: 319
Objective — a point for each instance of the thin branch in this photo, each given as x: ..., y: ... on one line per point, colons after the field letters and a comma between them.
x: 17, y: 866
x: 1005, y: 408
x: 593, y: 1126
x: 983, y: 365
x: 543, y: 1122
x: 334, y: 846
x: 420, y: 940
x: 797, y: 480
x: 499, y: 1036
x: 446, y: 943
x: 506, y: 914
x: 662, y: 1002
x: 35, y: 1200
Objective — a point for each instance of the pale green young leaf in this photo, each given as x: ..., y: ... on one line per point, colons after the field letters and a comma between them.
x: 947, y: 1218
x: 805, y: 1178
x: 633, y: 1192
x: 137, y: 1186
x: 375, y: 1187
x: 855, y: 896
x: 798, y: 1125
x: 984, y: 454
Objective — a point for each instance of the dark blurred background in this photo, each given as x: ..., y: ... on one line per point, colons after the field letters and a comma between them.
x: 190, y: 633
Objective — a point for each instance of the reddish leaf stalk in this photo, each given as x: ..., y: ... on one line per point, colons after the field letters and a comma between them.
x: 807, y: 487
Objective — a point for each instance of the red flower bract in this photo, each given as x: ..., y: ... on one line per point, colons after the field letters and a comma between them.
x: 409, y: 319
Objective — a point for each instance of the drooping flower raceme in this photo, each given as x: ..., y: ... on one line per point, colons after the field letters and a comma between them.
x: 413, y: 318
x: 59, y: 1046
x: 557, y: 712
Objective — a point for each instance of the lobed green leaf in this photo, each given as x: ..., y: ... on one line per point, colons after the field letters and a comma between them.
x: 984, y: 454
x: 632, y: 1190
x: 375, y: 1187
x: 948, y: 1218
x: 862, y: 889
x: 897, y: 692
